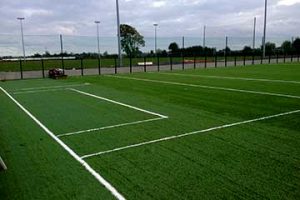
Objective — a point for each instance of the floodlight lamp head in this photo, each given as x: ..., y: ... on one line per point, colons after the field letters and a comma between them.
x: 155, y: 24
x: 97, y: 22
x: 20, y: 18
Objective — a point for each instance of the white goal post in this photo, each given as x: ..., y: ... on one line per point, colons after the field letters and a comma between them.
x: 2, y: 164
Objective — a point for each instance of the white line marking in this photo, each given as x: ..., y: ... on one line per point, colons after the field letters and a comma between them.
x: 38, y: 91
x: 205, y: 86
x: 188, y: 134
x: 53, y: 87
x: 100, y: 179
x: 109, y: 127
x: 233, y: 78
x: 119, y: 103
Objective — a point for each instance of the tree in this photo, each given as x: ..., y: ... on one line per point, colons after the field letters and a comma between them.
x: 286, y: 47
x: 131, y: 40
x: 270, y: 48
x: 296, y: 45
x: 247, y: 50
x: 173, y: 47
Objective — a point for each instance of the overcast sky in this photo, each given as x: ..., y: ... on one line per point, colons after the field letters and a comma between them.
x: 175, y: 17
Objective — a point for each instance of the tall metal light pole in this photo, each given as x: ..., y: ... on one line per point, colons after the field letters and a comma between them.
x: 155, y: 33
x: 254, y: 33
x: 98, y: 38
x: 204, y: 37
x: 22, y: 35
x: 119, y: 34
x: 265, y: 29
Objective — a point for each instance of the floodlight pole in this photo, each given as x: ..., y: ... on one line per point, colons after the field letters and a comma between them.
x: 119, y: 34
x: 254, y: 33
x: 265, y: 29
x: 204, y: 37
x: 98, y: 39
x: 22, y: 35
x: 155, y: 34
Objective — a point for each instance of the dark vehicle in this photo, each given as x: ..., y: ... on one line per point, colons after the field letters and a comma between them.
x: 56, y: 73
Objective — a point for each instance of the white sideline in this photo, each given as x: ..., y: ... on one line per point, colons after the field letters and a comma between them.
x: 189, y: 134
x: 100, y: 179
x: 38, y: 91
x: 233, y: 78
x: 53, y: 87
x: 109, y: 127
x: 119, y: 103
x: 208, y: 87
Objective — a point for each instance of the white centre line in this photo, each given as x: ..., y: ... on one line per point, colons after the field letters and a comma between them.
x: 205, y: 86
x: 53, y: 87
x: 99, y: 178
x: 232, y: 78
x: 38, y: 91
x: 188, y: 134
x: 109, y: 127
x: 119, y: 103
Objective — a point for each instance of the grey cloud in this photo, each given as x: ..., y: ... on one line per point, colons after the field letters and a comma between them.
x: 175, y: 17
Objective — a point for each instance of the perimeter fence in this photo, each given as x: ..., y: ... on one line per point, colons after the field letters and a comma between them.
x: 48, y: 52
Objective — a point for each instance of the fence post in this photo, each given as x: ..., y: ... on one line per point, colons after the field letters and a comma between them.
x: 182, y: 61
x: 284, y: 58
x: 292, y: 57
x: 194, y: 62
x: 244, y: 60
x: 81, y: 66
x: 21, y: 69
x: 261, y: 59
x: 277, y: 56
x: 63, y: 65
x: 171, y: 63
x: 235, y: 60
x: 99, y: 66
x: 158, y: 67
x: 145, y: 67
x: 116, y: 70
x: 130, y: 63
x: 253, y: 58
x: 205, y: 60
x: 216, y: 60
x: 225, y: 59
x: 269, y: 58
x: 43, y: 68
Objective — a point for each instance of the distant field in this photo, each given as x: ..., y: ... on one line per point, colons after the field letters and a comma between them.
x: 227, y: 133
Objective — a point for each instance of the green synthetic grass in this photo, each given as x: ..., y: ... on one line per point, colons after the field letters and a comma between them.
x: 260, y: 160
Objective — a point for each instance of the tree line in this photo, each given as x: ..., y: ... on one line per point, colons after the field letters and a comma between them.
x: 132, y: 41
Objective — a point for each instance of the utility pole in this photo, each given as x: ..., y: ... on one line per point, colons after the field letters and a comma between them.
x: 155, y: 37
x: 98, y: 39
x: 265, y: 29
x: 204, y: 37
x: 119, y: 34
x: 254, y: 33
x: 22, y: 35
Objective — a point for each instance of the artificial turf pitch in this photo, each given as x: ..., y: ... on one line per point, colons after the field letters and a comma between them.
x: 148, y: 131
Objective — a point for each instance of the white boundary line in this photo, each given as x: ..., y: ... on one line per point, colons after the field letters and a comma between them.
x: 109, y: 127
x: 100, y: 179
x: 119, y: 103
x: 188, y: 134
x: 232, y: 78
x: 205, y: 86
x: 53, y: 87
x: 38, y: 91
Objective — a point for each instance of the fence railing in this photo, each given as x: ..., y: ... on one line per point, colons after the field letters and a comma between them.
x: 79, y: 67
